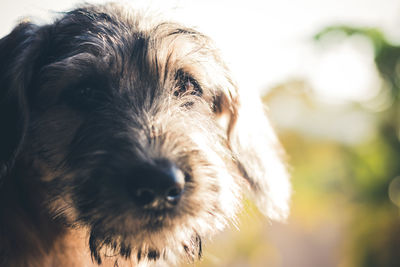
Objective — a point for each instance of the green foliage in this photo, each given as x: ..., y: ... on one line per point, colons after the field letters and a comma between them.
x: 373, y: 229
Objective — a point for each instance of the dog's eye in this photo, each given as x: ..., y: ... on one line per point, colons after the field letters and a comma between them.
x: 187, y: 85
x: 84, y: 97
x: 86, y: 92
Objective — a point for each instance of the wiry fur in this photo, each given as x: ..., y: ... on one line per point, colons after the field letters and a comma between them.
x: 157, y: 90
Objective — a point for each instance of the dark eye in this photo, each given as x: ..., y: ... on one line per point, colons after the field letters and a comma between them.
x: 86, y: 92
x: 84, y: 97
x: 187, y: 85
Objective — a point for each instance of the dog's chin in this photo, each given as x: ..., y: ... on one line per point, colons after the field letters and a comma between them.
x: 138, y: 235
x: 160, y: 238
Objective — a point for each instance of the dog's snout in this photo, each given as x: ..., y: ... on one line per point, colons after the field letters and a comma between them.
x: 157, y: 186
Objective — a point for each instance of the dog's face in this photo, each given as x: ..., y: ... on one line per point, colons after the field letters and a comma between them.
x: 138, y: 132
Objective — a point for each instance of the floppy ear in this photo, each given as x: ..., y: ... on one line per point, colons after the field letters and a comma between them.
x: 257, y: 152
x: 14, y: 76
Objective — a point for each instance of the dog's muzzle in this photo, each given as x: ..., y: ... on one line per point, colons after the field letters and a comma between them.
x: 156, y: 187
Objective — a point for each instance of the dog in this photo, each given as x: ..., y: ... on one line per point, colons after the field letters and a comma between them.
x: 125, y: 141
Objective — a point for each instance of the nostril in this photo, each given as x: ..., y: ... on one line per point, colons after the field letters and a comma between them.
x: 173, y: 194
x: 144, y: 196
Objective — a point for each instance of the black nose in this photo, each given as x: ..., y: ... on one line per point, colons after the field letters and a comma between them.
x: 157, y: 185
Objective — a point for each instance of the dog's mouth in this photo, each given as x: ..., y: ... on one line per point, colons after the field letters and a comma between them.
x: 106, y: 245
x: 158, y: 220
x: 145, y: 234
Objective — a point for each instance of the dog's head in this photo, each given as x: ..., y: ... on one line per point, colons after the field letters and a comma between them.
x: 137, y: 129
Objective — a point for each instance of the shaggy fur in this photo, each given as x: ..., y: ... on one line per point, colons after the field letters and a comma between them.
x: 98, y: 111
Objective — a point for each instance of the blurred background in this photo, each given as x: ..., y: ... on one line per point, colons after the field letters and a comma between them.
x: 328, y: 72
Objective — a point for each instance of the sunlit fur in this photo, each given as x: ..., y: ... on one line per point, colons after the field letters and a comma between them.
x: 66, y: 157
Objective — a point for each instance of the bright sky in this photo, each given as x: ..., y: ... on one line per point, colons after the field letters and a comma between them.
x: 267, y: 42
